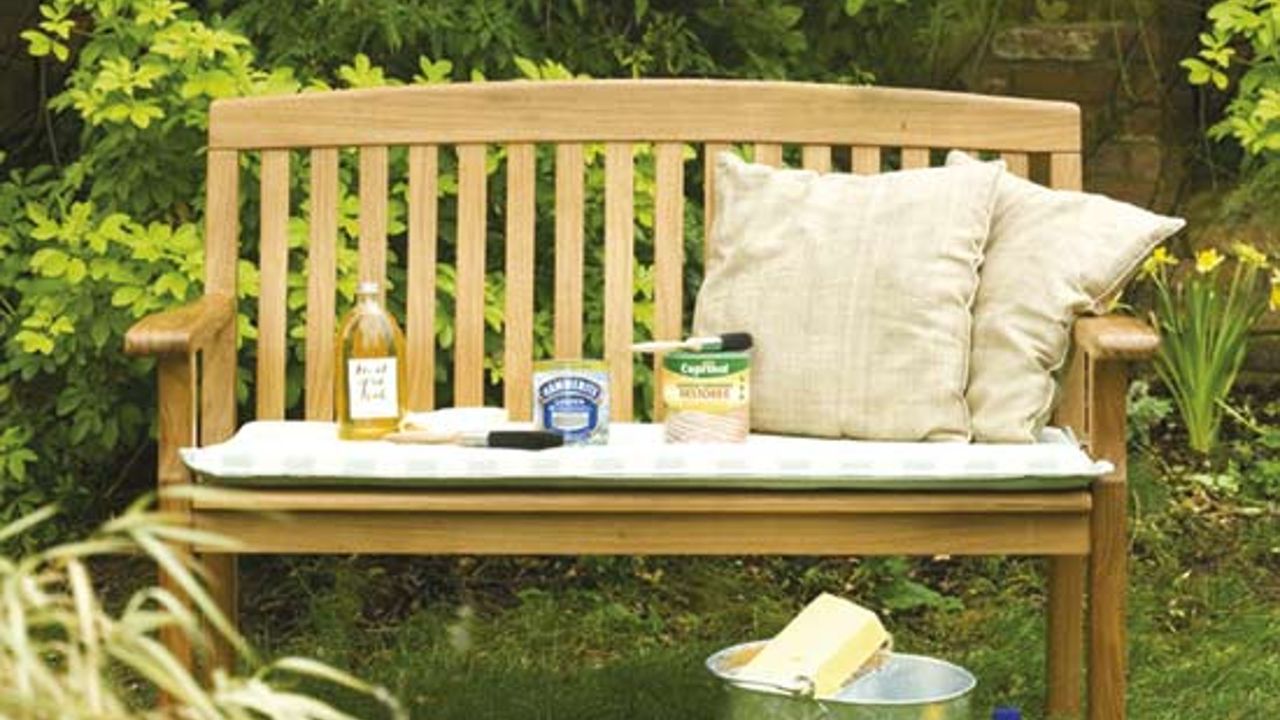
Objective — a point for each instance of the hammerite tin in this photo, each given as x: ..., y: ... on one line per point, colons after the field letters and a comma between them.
x: 571, y: 397
x: 904, y: 687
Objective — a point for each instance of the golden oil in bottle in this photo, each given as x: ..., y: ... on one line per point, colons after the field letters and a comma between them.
x: 369, y: 390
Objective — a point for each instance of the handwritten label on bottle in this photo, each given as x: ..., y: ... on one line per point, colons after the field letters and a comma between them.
x: 371, y: 385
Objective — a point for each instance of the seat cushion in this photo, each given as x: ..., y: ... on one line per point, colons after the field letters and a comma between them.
x: 1053, y: 255
x: 294, y: 453
x: 857, y: 290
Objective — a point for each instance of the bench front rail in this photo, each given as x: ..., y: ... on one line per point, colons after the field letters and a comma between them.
x: 1081, y: 532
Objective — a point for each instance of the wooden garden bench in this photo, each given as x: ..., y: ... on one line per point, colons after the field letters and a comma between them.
x: 1080, y: 532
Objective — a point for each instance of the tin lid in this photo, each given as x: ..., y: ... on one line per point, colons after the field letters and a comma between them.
x: 367, y: 287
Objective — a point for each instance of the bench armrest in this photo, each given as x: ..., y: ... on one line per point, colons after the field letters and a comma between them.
x: 182, y: 330
x: 1116, y: 337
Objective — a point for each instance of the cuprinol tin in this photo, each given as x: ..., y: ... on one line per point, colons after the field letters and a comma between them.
x: 707, y: 396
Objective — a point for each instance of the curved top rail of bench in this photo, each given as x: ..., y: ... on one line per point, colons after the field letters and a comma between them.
x: 646, y: 110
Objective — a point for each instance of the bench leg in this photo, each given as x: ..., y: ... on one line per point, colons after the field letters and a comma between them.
x: 224, y: 589
x: 1108, y: 584
x: 177, y: 395
x: 1066, y: 635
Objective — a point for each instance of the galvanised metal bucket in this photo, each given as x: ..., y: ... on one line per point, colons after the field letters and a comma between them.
x: 904, y: 687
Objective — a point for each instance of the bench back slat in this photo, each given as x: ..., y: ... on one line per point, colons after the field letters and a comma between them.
x: 420, y: 308
x: 273, y: 278
x: 517, y: 358
x: 1065, y: 171
x: 468, y: 326
x: 865, y: 159
x: 668, y: 249
x: 619, y: 274
x: 322, y: 275
x: 569, y: 214
x: 373, y: 215
x: 769, y: 154
x: 1018, y: 163
x: 914, y: 158
x: 816, y: 158
x: 217, y: 420
x: 826, y: 127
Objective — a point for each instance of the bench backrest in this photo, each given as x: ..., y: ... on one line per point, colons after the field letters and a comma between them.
x: 710, y: 115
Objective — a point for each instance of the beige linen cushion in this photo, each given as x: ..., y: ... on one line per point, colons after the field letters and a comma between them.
x: 1053, y: 255
x: 857, y: 290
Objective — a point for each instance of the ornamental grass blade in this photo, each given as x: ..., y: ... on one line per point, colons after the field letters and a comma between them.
x: 26, y: 522
x: 315, y: 669
x: 260, y: 698
x: 176, y: 570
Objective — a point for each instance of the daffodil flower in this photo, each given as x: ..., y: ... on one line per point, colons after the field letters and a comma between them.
x: 1158, y: 260
x: 1250, y: 255
x: 1208, y: 260
x: 1273, y: 300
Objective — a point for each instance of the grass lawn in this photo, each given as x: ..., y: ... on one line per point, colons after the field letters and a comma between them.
x: 625, y: 638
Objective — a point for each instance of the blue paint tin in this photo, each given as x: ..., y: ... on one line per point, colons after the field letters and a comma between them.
x: 571, y: 397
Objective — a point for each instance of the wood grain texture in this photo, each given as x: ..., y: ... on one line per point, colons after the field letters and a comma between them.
x: 914, y: 158
x: 1065, y: 631
x: 221, y: 243
x: 517, y: 361
x: 1070, y: 412
x: 468, y: 373
x: 816, y: 158
x: 645, y: 110
x: 652, y: 533
x: 606, y: 502
x: 619, y: 276
x: 569, y: 215
x: 709, y: 153
x: 224, y: 590
x: 1018, y: 163
x: 373, y: 216
x: 1066, y: 171
x: 176, y: 375
x: 1116, y: 337
x: 420, y: 308
x: 864, y: 159
x: 273, y: 278
x: 668, y: 252
x: 768, y: 154
x: 322, y: 283
x: 183, y: 330
x: 1109, y: 560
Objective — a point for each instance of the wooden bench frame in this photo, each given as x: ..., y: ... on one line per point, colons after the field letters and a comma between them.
x: 1081, y: 533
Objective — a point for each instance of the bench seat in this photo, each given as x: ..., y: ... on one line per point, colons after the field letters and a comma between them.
x: 302, y: 454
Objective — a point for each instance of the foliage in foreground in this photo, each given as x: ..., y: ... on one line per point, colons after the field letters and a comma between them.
x: 63, y: 655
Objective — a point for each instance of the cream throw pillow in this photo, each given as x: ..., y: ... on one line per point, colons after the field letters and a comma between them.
x: 1053, y: 255
x: 857, y: 290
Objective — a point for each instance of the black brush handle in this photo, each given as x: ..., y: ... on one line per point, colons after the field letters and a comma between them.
x: 525, y: 439
x: 735, y: 341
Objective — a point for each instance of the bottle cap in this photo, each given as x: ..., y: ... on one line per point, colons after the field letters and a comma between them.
x: 367, y: 287
x: 1007, y: 713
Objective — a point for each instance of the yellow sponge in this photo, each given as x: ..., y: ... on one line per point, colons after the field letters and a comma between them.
x: 826, y: 643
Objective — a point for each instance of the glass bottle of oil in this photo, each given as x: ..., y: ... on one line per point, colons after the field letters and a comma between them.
x: 370, y: 386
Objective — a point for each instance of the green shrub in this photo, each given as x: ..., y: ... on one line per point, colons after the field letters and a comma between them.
x: 1205, y: 314
x: 63, y: 655
x: 1243, y: 40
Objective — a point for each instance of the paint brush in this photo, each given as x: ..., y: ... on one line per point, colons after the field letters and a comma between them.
x: 728, y: 342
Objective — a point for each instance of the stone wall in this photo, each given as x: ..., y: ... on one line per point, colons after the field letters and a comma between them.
x: 1123, y: 71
